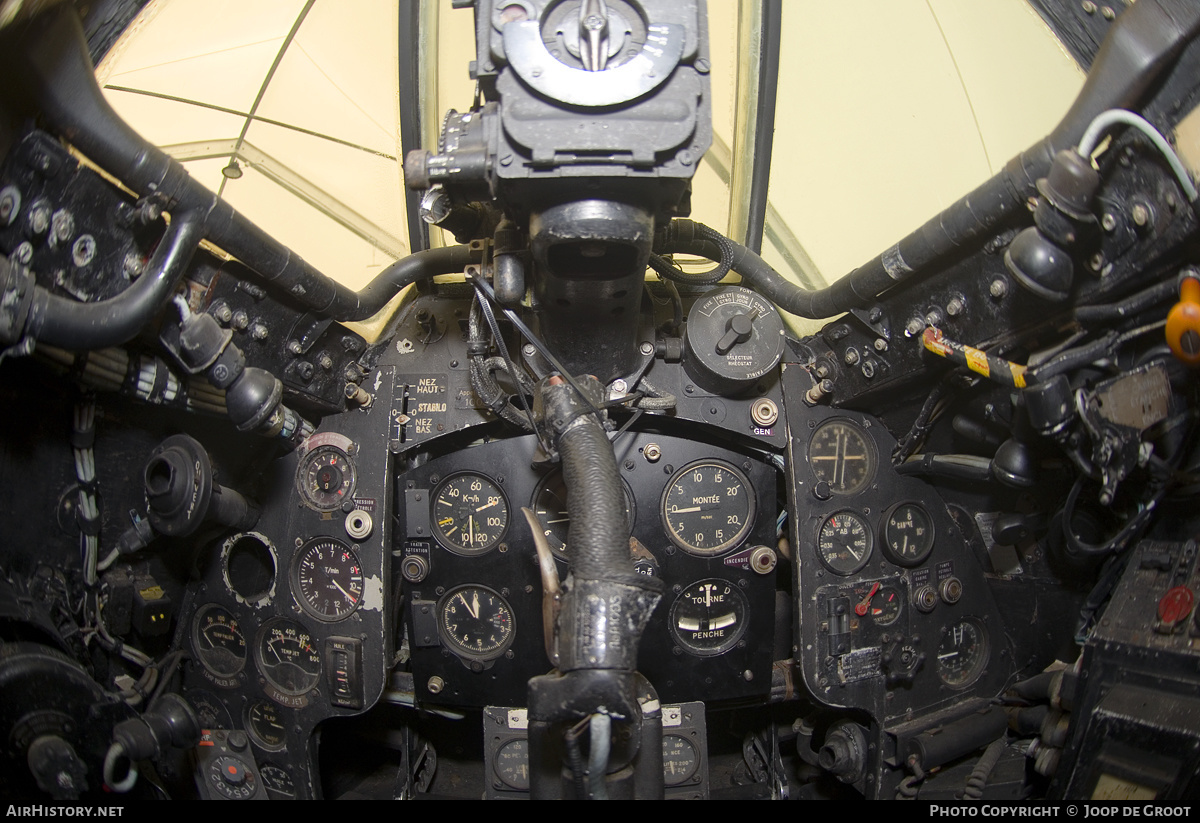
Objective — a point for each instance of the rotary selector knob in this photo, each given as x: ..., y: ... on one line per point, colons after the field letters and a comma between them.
x: 734, y: 337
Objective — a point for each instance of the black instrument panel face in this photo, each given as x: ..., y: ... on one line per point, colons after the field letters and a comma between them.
x: 289, y: 625
x: 474, y: 618
x: 894, y: 613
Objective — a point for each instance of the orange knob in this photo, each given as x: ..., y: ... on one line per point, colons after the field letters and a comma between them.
x: 1183, y: 322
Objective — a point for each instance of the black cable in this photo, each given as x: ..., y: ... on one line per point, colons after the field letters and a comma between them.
x: 486, y: 308
x: 670, y: 271
x: 1117, y: 541
x: 483, y: 286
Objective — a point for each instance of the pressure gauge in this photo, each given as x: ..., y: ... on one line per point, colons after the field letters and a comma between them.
x: 844, y: 542
x: 469, y: 513
x: 708, y: 507
x: 841, y: 454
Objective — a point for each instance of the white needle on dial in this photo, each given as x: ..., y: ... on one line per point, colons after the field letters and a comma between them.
x: 474, y: 612
x: 338, y: 585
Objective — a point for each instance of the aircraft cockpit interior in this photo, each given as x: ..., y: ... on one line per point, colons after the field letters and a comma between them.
x: 506, y: 405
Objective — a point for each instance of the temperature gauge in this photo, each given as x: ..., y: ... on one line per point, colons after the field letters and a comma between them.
x: 287, y: 656
x: 218, y: 641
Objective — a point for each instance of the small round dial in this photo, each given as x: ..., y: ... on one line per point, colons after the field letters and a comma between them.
x: 218, y: 641
x: 907, y: 534
x: 708, y: 507
x: 512, y: 764
x: 231, y: 777
x: 962, y: 653
x: 841, y: 454
x: 475, y: 622
x: 327, y: 579
x: 210, y: 710
x: 326, y: 478
x: 709, y: 617
x: 469, y: 513
x: 550, y: 506
x: 288, y: 657
x: 885, y: 606
x: 277, y: 781
x: 680, y: 759
x: 844, y: 542
x: 265, y: 722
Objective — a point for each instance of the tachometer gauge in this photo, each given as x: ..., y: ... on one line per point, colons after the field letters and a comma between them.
x: 962, y: 653
x: 907, y: 534
x: 218, y: 641
x: 550, y: 506
x: 475, y: 622
x: 327, y: 579
x: 708, y: 507
x: 287, y: 656
x: 709, y: 617
x: 326, y: 478
x: 469, y: 514
x: 265, y: 722
x: 844, y: 542
x: 841, y: 454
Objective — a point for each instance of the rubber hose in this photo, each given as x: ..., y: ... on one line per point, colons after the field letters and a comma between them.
x: 70, y: 324
x: 599, y: 535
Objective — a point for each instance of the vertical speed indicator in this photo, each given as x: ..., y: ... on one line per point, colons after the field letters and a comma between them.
x: 708, y: 508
